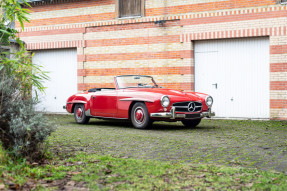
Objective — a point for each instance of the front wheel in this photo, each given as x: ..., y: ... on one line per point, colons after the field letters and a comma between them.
x: 191, y: 123
x: 140, y: 116
x: 79, y: 113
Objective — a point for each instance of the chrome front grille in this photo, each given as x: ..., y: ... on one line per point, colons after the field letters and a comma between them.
x: 188, y: 106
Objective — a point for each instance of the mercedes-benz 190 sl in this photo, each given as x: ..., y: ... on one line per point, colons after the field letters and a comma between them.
x: 139, y: 99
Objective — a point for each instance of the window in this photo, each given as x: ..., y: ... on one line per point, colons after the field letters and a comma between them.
x: 130, y: 8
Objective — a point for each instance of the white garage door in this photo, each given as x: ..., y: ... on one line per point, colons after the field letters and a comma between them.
x: 62, y: 68
x: 236, y: 73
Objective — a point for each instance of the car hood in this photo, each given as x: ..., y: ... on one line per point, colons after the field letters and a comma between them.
x: 174, y: 95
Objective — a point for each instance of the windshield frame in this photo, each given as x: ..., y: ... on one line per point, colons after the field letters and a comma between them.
x: 118, y: 87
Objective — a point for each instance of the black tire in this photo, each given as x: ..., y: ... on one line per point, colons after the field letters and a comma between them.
x: 79, y: 114
x: 140, y: 116
x: 191, y: 123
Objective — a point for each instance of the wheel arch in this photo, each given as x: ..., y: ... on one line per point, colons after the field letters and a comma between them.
x: 75, y: 103
x: 73, y: 107
x: 131, y: 106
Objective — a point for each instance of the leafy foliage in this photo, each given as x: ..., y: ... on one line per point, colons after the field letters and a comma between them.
x: 13, y: 11
x: 22, y: 130
x: 18, y: 63
x: 21, y: 67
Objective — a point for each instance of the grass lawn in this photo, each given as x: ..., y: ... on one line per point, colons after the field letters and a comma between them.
x: 112, y: 155
x: 255, y: 144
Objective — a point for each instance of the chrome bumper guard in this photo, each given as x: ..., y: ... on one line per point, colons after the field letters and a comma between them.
x: 173, y: 115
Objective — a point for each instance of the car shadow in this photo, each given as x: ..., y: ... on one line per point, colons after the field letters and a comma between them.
x: 157, y: 126
x: 110, y: 123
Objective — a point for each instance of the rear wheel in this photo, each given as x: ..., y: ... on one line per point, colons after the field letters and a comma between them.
x: 140, y: 116
x: 79, y: 113
x: 191, y: 123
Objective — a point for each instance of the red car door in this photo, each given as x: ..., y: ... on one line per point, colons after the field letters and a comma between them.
x: 104, y: 103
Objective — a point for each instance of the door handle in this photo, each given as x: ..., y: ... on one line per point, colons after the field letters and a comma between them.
x: 215, y: 85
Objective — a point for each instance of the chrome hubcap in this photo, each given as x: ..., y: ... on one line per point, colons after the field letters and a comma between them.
x: 79, y: 113
x: 139, y: 115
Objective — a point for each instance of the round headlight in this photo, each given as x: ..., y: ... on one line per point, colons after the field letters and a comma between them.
x: 165, y: 101
x: 209, y: 101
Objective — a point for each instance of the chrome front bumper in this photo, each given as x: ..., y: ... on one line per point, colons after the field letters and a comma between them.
x: 173, y: 115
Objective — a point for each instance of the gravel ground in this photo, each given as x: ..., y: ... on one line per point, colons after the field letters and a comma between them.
x: 255, y: 144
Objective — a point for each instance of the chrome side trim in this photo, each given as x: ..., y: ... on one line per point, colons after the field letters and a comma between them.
x: 77, y: 101
x: 136, y: 99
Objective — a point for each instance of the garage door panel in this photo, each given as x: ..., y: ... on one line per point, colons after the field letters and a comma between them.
x: 241, y: 72
x: 61, y: 66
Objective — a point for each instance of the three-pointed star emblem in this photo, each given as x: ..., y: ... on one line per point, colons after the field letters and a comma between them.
x: 191, y: 106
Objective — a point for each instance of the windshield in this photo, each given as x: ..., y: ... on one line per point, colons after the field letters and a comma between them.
x: 135, y: 82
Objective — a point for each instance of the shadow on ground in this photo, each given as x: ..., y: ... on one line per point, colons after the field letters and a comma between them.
x: 161, y: 126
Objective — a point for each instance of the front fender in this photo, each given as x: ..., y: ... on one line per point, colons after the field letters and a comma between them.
x: 125, y: 105
x: 78, y: 99
x: 203, y: 97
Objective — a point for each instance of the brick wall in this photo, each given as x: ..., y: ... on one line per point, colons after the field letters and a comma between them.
x: 108, y: 46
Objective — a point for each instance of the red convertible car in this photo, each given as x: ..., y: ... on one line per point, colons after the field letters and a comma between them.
x: 139, y: 99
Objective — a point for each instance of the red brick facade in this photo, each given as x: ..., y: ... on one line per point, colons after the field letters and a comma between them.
x: 108, y: 46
